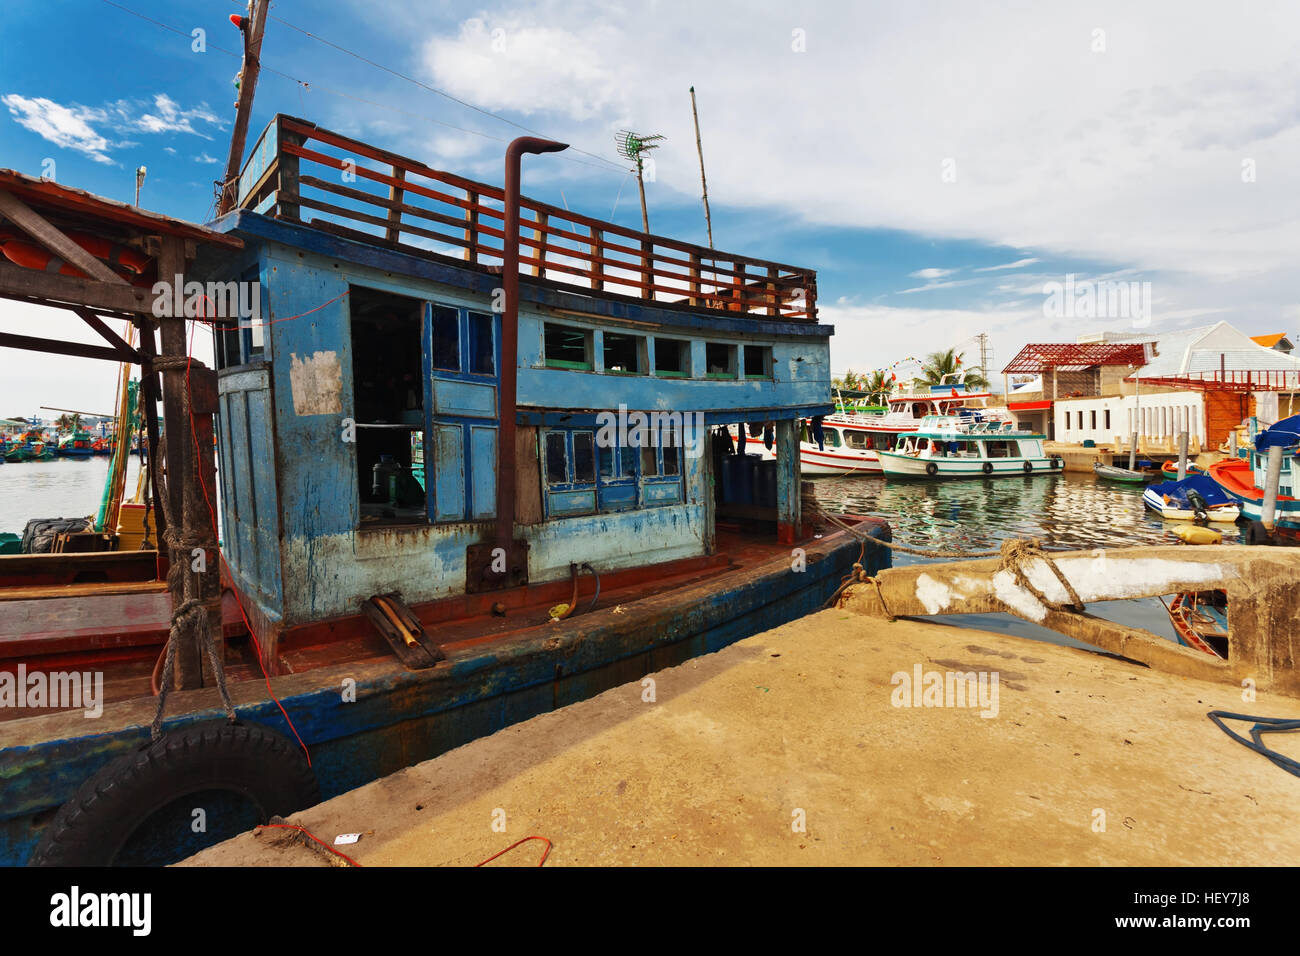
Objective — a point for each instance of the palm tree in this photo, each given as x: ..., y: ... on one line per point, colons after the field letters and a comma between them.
x: 879, y: 384
x: 62, y: 424
x: 949, y: 362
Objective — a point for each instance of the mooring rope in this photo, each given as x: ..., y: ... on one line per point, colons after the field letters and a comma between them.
x: 189, y: 619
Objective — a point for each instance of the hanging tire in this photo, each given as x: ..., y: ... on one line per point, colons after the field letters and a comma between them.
x: 114, y: 805
x: 988, y: 467
x: 1028, y: 467
x: 931, y: 469
x: 1056, y: 461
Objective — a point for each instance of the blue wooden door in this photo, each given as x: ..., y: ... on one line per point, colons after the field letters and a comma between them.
x: 463, y: 354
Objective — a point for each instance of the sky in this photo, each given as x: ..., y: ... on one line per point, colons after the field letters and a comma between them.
x: 940, y: 164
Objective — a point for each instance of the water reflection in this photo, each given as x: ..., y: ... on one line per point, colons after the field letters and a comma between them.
x: 1074, y: 511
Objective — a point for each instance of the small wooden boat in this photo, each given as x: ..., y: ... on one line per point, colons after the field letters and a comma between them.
x: 1170, y: 469
x: 1200, y: 620
x: 1112, y: 473
x: 1195, y: 498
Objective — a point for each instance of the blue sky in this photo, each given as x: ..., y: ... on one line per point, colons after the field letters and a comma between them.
x: 936, y: 162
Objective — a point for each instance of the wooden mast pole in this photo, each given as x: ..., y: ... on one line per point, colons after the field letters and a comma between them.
x: 252, y: 28
x: 704, y: 183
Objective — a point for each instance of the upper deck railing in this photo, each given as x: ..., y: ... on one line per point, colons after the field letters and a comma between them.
x: 353, y: 189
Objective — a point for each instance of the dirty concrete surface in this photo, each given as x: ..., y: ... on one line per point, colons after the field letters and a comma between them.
x: 787, y: 749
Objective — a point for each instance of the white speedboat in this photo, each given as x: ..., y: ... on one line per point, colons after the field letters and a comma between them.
x: 948, y: 446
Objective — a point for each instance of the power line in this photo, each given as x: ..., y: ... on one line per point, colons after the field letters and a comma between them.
x: 425, y: 86
x: 309, y: 87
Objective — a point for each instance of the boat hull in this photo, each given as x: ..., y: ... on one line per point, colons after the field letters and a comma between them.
x: 401, y: 717
x: 906, y: 466
x: 1235, y: 476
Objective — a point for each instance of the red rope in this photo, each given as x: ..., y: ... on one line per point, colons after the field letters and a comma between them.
x: 518, y: 843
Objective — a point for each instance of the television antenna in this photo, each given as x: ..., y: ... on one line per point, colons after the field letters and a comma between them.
x: 634, y: 146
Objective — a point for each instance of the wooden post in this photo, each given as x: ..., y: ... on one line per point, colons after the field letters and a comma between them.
x: 1272, y: 482
x: 788, y: 508
x: 772, y: 300
x: 539, y: 250
x: 647, y: 268
x: 252, y: 32
x: 597, y: 253
x: 694, y: 272
x: 287, y: 177
x: 1132, y: 451
x: 1182, y: 455
x: 471, y: 227
x: 395, y: 194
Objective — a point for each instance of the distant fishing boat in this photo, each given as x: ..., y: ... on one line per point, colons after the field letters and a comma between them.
x: 79, y: 444
x: 1113, y: 473
x: 1195, y: 498
x: 1170, y: 469
x: 946, y: 446
x: 1200, y: 619
x: 1243, y: 478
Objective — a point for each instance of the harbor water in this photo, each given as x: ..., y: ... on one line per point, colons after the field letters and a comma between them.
x: 60, y: 488
x: 1067, y: 511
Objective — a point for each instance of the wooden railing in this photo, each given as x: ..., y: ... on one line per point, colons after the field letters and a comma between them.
x: 350, y: 188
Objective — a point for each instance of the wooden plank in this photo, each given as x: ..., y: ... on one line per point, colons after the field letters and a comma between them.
x: 53, y: 239
x: 52, y: 288
x: 395, y: 194
x: 31, y: 343
x: 95, y: 322
x: 471, y: 228
x: 596, y: 254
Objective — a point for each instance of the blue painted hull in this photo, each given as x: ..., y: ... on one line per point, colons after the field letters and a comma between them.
x: 401, y: 717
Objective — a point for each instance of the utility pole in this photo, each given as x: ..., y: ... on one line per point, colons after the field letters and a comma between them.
x: 986, y: 353
x: 704, y: 183
x: 252, y: 27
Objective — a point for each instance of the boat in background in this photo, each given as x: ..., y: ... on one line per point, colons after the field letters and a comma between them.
x: 1195, y: 498
x: 79, y: 444
x: 848, y: 441
x: 1243, y: 477
x: 948, y: 446
x: 1170, y: 469
x: 1200, y: 619
x: 1113, y: 473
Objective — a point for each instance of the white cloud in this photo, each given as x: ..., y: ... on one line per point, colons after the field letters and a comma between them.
x: 205, y: 159
x: 65, y: 126
x: 931, y: 273
x: 168, y: 117
x: 1018, y: 264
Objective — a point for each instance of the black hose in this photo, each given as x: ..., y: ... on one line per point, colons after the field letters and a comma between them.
x: 595, y: 597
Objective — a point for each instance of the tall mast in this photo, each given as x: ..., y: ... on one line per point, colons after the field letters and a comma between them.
x: 251, y: 26
x: 704, y: 183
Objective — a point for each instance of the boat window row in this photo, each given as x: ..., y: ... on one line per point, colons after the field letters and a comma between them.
x: 584, y: 475
x: 573, y: 347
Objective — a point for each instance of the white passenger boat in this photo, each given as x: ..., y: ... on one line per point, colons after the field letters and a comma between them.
x: 853, y: 435
x: 948, y: 446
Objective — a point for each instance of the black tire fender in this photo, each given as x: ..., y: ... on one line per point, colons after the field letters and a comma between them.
x: 1056, y: 461
x: 988, y: 467
x: 931, y: 468
x: 259, y: 764
x: 1028, y: 467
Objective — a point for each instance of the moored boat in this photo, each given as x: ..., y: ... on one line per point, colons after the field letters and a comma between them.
x: 79, y: 444
x: 1195, y: 498
x: 1243, y: 478
x: 1170, y: 469
x: 1200, y: 619
x: 947, y: 446
x: 1114, y: 473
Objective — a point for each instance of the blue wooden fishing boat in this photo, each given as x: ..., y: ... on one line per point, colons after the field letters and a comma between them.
x: 1244, y: 477
x: 563, y: 383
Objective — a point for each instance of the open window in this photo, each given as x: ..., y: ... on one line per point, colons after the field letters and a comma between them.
x: 672, y: 358
x: 565, y: 346
x: 388, y: 398
x: 720, y: 360
x: 758, y: 361
x: 623, y: 353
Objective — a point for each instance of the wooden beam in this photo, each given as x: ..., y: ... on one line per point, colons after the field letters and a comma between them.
x: 252, y: 33
x: 108, y: 335
x: 17, y: 282
x: 31, y: 343
x: 40, y: 229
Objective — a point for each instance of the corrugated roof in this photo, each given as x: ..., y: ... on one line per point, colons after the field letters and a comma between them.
x: 1041, y: 356
x: 1209, y: 348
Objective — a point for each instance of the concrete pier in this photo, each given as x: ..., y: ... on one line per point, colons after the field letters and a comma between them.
x: 792, y: 747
